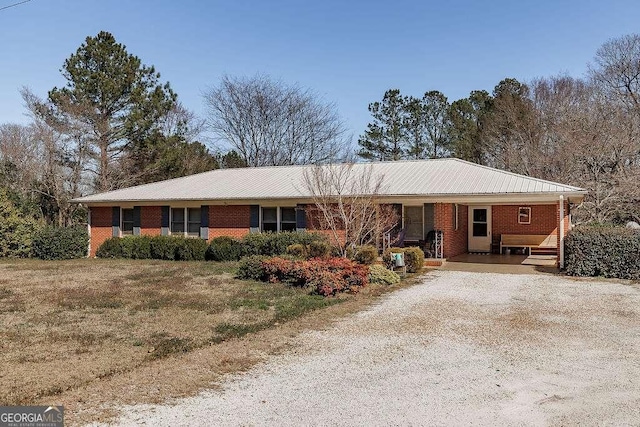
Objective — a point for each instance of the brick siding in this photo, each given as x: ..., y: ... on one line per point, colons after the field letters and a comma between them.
x: 100, y: 227
x: 150, y: 220
x: 544, y: 220
x: 232, y: 221
x: 455, y: 241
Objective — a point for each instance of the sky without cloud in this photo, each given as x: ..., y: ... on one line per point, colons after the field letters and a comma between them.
x: 349, y: 52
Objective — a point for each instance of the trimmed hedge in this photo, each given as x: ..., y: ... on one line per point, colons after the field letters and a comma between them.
x: 366, y: 254
x: 55, y: 243
x: 603, y: 251
x: 413, y: 258
x: 250, y: 267
x: 274, y: 244
x: 225, y: 249
x: 324, y: 276
x: 220, y: 248
x: 155, y: 247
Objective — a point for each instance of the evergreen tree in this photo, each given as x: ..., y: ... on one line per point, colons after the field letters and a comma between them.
x: 385, y: 137
x: 111, y: 93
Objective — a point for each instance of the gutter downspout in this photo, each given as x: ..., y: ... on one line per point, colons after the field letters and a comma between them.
x: 561, y: 232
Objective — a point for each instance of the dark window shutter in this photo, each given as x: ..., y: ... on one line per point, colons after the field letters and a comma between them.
x: 137, y: 220
x: 164, y: 223
x: 254, y: 218
x: 301, y: 217
x: 115, y: 221
x: 204, y: 222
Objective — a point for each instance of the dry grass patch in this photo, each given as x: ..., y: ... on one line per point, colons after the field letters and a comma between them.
x: 70, y: 324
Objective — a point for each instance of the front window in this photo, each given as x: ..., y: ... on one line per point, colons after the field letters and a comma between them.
x: 186, y: 221
x: 278, y: 219
x: 287, y: 219
x: 127, y: 222
x: 177, y: 221
x: 193, y: 214
x: 270, y: 219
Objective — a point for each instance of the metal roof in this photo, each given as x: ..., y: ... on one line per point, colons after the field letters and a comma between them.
x: 450, y: 177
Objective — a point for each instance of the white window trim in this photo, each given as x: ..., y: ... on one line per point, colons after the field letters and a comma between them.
x: 523, y: 222
x: 278, y: 217
x: 186, y: 221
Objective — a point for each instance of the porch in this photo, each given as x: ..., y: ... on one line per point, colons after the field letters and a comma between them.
x: 508, y: 264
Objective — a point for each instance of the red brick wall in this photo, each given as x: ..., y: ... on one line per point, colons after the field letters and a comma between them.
x: 150, y: 220
x: 455, y: 241
x: 232, y: 221
x: 313, y: 216
x: 504, y: 220
x: 544, y: 220
x: 100, y: 227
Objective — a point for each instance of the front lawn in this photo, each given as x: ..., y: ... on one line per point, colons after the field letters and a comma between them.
x: 68, y: 324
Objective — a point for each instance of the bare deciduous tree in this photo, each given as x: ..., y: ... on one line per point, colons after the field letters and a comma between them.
x: 269, y: 123
x: 67, y: 160
x: 616, y: 70
x: 346, y: 203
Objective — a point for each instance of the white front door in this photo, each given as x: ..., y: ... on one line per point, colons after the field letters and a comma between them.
x: 479, y: 228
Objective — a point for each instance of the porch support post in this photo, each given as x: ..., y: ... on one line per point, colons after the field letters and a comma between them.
x: 561, y: 232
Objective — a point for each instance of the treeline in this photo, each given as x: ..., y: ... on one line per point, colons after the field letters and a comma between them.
x: 115, y: 123
x: 580, y: 131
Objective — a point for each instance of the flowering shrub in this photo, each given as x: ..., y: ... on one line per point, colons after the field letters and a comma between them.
x: 324, y: 276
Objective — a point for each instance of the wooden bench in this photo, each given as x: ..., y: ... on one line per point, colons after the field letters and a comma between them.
x: 539, y: 242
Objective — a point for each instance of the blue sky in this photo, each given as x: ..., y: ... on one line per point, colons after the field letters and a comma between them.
x: 349, y: 52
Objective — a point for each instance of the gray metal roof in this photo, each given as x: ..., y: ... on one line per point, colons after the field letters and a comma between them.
x: 401, y: 178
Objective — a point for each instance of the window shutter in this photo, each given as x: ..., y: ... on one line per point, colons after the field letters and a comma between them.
x: 254, y: 219
x: 137, y: 219
x: 115, y: 221
x: 164, y: 224
x: 301, y: 218
x: 204, y: 222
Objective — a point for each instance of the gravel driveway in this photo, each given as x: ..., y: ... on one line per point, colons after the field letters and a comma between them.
x: 459, y: 349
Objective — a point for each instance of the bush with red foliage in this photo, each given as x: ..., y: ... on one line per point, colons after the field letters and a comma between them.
x: 325, y: 276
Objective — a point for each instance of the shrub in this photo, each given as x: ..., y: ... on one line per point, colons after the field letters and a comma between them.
x: 253, y: 243
x: 324, y: 276
x: 413, y: 258
x: 297, y: 250
x: 156, y: 247
x: 54, y: 243
x: 319, y: 249
x: 163, y: 247
x: 603, y: 251
x: 366, y: 254
x: 140, y: 247
x: 17, y: 228
x: 274, y: 244
x: 380, y: 275
x: 190, y: 249
x: 250, y: 267
x: 110, y: 248
x: 224, y: 249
